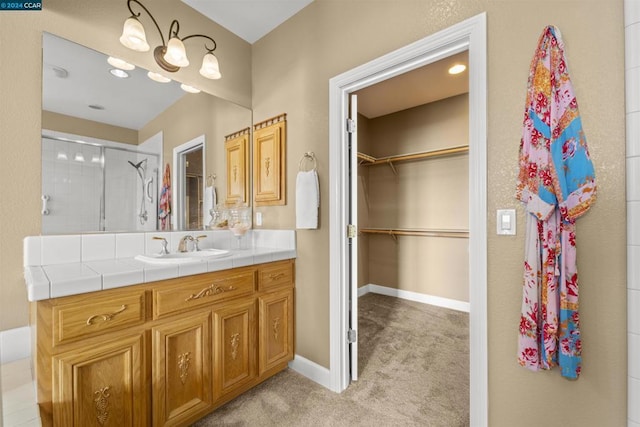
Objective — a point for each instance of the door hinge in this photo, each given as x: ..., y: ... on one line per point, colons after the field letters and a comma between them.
x: 352, y: 231
x: 352, y: 336
x: 351, y: 125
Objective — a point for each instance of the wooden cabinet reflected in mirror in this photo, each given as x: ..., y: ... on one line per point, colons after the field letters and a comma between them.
x: 237, y: 151
x: 269, y: 148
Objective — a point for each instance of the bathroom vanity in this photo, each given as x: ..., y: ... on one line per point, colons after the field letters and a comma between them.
x: 164, y: 352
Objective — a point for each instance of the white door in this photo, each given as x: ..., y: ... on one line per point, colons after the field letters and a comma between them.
x: 352, y: 235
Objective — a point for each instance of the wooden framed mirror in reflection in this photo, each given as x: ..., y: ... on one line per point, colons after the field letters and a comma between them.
x: 107, y: 139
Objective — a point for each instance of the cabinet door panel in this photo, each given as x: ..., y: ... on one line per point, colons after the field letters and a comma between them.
x: 235, y: 349
x: 101, y: 386
x: 276, y: 329
x: 181, y: 368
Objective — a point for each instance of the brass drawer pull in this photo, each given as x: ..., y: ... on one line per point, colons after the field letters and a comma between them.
x: 107, y: 316
x: 276, y: 276
x: 211, y: 290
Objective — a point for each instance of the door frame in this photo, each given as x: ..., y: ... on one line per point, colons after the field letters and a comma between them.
x: 468, y: 35
x: 178, y: 181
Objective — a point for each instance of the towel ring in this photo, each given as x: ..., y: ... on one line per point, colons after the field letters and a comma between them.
x: 309, y: 155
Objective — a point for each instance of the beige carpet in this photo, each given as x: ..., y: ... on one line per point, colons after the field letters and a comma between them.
x: 414, y: 371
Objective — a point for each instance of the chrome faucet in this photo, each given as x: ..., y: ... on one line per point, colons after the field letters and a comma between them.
x: 183, y: 246
x: 196, y: 240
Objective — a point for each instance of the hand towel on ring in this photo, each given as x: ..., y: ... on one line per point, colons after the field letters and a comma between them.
x: 307, y: 199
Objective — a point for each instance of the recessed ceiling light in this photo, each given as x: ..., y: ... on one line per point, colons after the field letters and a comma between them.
x: 457, y: 69
x: 121, y: 74
x: 158, y: 77
x: 189, y: 89
x: 119, y: 63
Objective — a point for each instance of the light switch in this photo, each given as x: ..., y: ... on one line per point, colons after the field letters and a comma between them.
x: 506, y: 222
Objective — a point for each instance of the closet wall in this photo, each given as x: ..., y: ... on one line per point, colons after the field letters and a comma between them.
x: 427, y: 194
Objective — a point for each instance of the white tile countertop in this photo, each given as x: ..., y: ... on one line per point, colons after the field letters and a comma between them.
x: 57, y: 266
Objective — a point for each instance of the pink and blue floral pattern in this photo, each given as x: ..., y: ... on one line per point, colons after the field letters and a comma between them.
x: 556, y: 183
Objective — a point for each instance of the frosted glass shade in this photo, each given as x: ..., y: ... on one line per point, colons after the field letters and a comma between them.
x: 176, y: 54
x: 189, y: 89
x: 133, y: 35
x: 210, y: 68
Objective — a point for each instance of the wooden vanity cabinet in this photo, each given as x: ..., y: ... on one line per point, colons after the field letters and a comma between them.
x: 162, y: 353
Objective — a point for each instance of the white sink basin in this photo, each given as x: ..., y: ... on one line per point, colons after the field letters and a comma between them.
x: 183, y: 257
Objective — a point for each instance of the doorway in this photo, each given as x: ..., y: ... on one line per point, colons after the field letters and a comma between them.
x: 468, y: 35
x: 188, y: 182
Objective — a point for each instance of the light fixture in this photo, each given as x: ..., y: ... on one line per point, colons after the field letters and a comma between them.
x: 95, y: 158
x: 169, y: 56
x: 189, y: 89
x: 79, y: 157
x: 120, y: 63
x: 457, y: 69
x: 158, y: 77
x: 117, y: 72
x: 61, y: 155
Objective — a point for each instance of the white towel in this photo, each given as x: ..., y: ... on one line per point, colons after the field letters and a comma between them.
x: 307, y: 199
x: 209, y: 203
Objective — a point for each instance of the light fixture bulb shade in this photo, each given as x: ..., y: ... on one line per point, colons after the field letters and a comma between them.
x: 210, y: 68
x: 176, y: 54
x: 133, y: 35
x: 189, y: 89
x: 158, y: 77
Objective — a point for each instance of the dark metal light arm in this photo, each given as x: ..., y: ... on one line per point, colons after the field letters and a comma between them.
x: 205, y: 45
x: 137, y: 15
x: 160, y: 51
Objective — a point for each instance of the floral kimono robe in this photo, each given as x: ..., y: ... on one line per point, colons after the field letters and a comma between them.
x: 556, y: 184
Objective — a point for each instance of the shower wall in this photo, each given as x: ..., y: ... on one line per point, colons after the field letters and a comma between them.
x: 82, y: 197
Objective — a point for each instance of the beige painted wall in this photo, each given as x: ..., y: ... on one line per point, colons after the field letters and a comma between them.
x: 98, y: 25
x: 291, y: 70
x: 77, y: 126
x: 195, y: 115
x: 428, y: 194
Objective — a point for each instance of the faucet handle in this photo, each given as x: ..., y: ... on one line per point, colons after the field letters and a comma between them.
x: 196, y: 240
x: 163, y: 241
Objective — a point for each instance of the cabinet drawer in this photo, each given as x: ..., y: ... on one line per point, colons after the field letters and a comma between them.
x: 203, y: 290
x: 276, y: 275
x: 92, y: 315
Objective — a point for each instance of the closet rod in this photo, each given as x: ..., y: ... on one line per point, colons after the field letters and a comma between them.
x: 370, y: 160
x: 462, y: 234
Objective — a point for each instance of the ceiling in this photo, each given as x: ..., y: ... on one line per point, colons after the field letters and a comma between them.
x: 75, y: 77
x: 417, y: 87
x: 248, y: 19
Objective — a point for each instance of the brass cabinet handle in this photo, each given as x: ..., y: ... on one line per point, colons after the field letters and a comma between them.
x: 210, y: 290
x: 276, y: 276
x: 107, y: 316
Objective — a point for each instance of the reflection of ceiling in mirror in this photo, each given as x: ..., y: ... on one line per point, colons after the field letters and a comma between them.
x: 129, y: 103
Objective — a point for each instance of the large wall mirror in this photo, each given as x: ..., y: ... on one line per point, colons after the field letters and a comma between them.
x: 107, y: 138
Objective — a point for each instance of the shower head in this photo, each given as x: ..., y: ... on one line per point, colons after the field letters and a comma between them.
x: 137, y: 165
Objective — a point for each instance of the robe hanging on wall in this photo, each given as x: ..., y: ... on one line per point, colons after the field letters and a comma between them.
x: 556, y: 183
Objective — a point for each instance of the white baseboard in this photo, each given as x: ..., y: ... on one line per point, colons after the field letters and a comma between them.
x: 414, y: 296
x: 15, y: 344
x: 311, y: 370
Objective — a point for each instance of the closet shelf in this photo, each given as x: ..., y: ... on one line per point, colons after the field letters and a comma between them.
x: 368, y: 160
x: 433, y: 232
